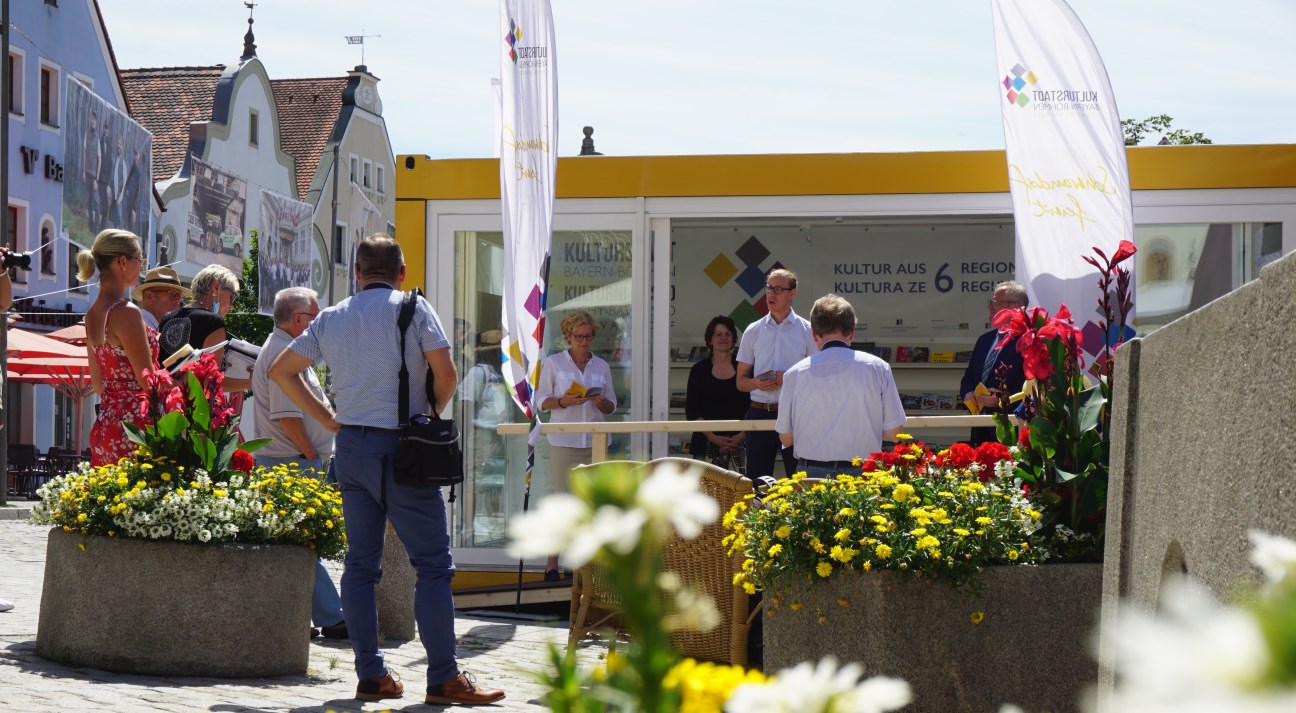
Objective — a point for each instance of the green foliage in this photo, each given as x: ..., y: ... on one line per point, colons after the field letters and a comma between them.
x: 1136, y: 131
x: 243, y: 321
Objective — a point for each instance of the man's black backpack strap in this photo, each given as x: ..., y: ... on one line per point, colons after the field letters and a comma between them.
x: 429, y: 455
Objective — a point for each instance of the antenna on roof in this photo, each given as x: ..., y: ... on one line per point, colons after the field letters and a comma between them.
x: 359, y: 40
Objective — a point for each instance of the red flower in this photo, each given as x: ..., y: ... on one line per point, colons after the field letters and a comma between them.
x: 988, y: 454
x: 175, y: 400
x: 869, y: 466
x: 242, y: 460
x: 1123, y: 253
x: 1023, y: 438
x: 959, y: 455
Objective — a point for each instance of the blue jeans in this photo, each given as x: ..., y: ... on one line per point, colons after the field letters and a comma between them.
x: 371, y: 497
x: 326, y: 606
x: 762, y: 446
x: 818, y: 471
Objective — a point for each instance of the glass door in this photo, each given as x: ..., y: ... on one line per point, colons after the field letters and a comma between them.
x: 593, y: 269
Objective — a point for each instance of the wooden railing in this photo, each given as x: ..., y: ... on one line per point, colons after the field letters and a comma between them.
x: 601, y: 429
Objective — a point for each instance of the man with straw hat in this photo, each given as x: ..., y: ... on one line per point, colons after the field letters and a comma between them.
x: 158, y: 293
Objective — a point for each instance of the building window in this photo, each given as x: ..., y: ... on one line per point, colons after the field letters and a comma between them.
x: 252, y: 127
x: 381, y: 178
x: 339, y: 243
x: 16, y: 237
x: 368, y: 169
x: 49, y: 95
x: 15, y: 86
x: 355, y: 169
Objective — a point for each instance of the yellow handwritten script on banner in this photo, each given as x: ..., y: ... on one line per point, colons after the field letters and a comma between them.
x: 527, y: 152
x: 1062, y: 196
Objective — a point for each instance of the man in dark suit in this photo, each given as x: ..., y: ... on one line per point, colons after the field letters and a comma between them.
x: 987, y: 360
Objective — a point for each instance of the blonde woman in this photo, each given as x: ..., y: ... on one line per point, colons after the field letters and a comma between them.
x: 120, y: 346
x: 575, y: 386
x: 201, y: 323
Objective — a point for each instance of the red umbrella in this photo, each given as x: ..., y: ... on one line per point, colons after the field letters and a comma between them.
x: 76, y: 334
x: 30, y: 344
x: 69, y: 375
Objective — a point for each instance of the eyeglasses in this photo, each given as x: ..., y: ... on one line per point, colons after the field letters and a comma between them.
x: 582, y: 337
x: 312, y: 315
x: 778, y: 290
x: 995, y: 303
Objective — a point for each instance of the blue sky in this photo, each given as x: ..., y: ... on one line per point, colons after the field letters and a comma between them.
x: 756, y: 76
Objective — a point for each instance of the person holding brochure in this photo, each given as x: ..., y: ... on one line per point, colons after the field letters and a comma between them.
x: 120, y: 346
x: 201, y: 323
x: 575, y: 387
x: 981, y: 378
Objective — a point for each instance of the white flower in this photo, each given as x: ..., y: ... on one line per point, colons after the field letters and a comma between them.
x: 671, y: 494
x: 547, y: 530
x: 693, y: 612
x: 1274, y: 555
x: 820, y: 688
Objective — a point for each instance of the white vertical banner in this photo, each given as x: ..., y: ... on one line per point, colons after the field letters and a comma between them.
x: 1066, y: 155
x: 528, y: 141
x: 365, y: 220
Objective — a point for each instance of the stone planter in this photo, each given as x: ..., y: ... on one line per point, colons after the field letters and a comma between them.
x: 175, y: 609
x: 1032, y: 649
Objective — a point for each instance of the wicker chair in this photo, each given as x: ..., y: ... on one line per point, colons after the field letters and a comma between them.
x: 702, y: 563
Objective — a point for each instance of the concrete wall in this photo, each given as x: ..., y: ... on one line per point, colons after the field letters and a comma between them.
x: 1202, y: 443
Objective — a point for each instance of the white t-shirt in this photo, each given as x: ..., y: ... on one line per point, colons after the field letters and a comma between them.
x: 556, y: 377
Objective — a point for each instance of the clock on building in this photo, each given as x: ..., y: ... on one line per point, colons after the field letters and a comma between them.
x: 366, y: 95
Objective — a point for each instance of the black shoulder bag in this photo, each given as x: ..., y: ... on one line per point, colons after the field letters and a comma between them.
x: 429, y: 455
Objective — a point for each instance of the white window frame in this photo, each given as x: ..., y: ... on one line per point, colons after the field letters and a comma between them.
x: 18, y: 66
x: 254, y: 128
x: 56, y: 96
x: 355, y: 168
x: 367, y: 174
x: 45, y: 220
x: 380, y: 177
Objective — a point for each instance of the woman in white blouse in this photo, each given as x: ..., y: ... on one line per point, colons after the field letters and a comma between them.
x: 575, y: 386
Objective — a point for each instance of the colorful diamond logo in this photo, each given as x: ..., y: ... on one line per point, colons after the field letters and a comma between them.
x: 743, y: 315
x: 752, y: 281
x: 752, y: 253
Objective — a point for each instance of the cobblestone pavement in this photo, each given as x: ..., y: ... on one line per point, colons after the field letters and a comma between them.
x: 499, y: 652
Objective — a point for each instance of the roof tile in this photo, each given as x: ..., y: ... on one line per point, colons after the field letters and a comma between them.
x: 166, y: 100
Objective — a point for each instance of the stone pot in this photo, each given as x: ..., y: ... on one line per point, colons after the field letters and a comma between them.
x: 1032, y: 649
x: 176, y: 609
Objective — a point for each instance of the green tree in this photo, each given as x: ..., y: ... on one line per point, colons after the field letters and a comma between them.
x: 1136, y: 131
x: 243, y: 321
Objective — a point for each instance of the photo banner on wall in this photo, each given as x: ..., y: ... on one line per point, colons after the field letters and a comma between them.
x: 528, y: 166
x: 285, y: 246
x: 365, y: 220
x: 1066, y: 155
x: 108, y: 168
x: 218, y: 217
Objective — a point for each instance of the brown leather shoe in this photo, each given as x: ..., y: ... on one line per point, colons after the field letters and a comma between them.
x: 462, y: 689
x: 376, y: 689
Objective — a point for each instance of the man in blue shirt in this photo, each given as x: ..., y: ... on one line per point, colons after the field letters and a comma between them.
x: 359, y: 340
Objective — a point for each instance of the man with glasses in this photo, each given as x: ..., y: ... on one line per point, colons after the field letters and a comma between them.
x: 770, y: 345
x: 994, y: 367
x: 158, y: 293
x: 295, y: 439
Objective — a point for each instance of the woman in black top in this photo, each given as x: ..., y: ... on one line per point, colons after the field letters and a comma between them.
x: 713, y: 395
x: 201, y: 323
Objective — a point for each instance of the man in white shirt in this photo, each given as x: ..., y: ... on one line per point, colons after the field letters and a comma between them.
x: 158, y: 293
x: 296, y: 439
x: 838, y: 404
x: 770, y: 345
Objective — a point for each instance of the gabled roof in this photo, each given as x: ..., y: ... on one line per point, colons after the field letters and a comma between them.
x: 166, y: 100
x: 308, y: 111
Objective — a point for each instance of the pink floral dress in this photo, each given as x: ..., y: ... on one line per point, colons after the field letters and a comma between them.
x: 119, y: 401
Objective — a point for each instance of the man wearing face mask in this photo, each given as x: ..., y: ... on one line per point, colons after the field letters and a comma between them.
x: 201, y: 323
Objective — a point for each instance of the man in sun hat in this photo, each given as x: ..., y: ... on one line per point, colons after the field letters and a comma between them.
x: 158, y: 293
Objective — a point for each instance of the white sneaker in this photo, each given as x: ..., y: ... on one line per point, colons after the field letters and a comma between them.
x: 5, y: 605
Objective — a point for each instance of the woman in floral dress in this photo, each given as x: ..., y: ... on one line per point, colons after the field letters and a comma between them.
x: 121, y: 347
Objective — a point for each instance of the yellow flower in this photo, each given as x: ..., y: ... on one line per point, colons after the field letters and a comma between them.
x: 81, y: 517
x: 961, y: 532
x: 927, y: 542
x: 842, y: 535
x: 166, y: 476
x: 1012, y: 554
x: 817, y: 546
x: 846, y: 512
x: 918, y: 532
x: 824, y: 569
x: 903, y: 437
x: 868, y: 565
x: 775, y: 550
x: 749, y: 587
x: 983, y: 521
x: 978, y: 616
x: 883, y: 551
x: 902, y: 493
x: 783, y: 532
x: 122, y: 481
